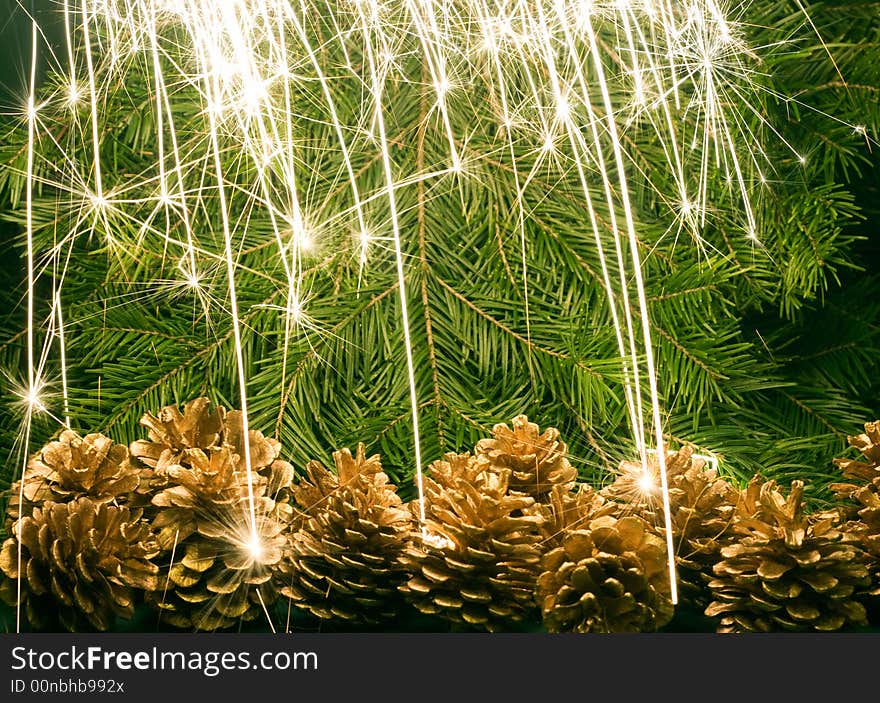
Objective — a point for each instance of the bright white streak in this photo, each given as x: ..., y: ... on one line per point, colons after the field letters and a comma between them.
x: 643, y: 306
x: 62, y: 343
x: 398, y: 252
x: 437, y: 67
x: 631, y: 375
x: 633, y: 396
x: 63, y: 356
x: 671, y: 150
x: 293, y: 268
x: 164, y: 108
x: 520, y: 191
x: 266, y: 611
x: 29, y: 233
x: 337, y: 126
x: 93, y: 98
x: 71, y: 63
x: 212, y: 92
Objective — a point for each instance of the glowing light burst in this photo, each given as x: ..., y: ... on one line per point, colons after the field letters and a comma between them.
x: 554, y: 72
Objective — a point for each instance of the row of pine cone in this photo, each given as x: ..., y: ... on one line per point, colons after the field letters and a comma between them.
x: 96, y: 528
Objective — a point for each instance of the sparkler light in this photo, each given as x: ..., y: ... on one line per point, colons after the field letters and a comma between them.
x: 255, y: 547
x: 232, y: 82
x: 33, y: 401
x: 646, y: 483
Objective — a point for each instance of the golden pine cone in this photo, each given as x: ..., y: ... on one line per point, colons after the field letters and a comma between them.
x: 859, y: 497
x: 82, y: 562
x: 571, y: 509
x: 783, y: 570
x: 865, y: 527
x: 476, y: 561
x: 867, y: 499
x: 638, y: 486
x: 604, y: 573
x: 71, y: 467
x: 865, y: 530
x: 171, y: 432
x: 218, y: 571
x: 342, y: 562
x: 869, y: 445
x: 701, y: 506
x: 536, y: 461
x: 860, y: 474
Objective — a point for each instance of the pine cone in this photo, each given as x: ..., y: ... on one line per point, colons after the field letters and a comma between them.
x: 536, y: 461
x: 860, y: 498
x: 701, y: 506
x: 72, y: 467
x: 171, y: 432
x: 343, y: 560
x: 82, y: 562
x: 638, y: 486
x: 785, y: 570
x: 217, y: 574
x: 604, y: 574
x: 477, y: 559
x: 860, y: 473
x: 865, y: 530
x: 567, y: 510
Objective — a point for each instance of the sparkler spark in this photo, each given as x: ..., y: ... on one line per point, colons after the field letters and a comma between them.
x: 553, y: 70
x: 32, y: 397
x: 255, y: 547
x: 398, y: 252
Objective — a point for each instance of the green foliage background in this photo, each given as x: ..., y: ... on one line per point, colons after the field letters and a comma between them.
x: 766, y: 356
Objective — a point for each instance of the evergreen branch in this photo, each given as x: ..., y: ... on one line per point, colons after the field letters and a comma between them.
x: 504, y: 328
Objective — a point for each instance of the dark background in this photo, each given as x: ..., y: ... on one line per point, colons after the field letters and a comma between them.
x: 488, y: 667
x: 15, y: 44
